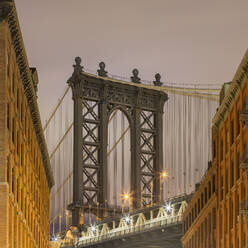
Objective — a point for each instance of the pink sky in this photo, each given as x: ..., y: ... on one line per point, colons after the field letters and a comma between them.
x: 186, y: 41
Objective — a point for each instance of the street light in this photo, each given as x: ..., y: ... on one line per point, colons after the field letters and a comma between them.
x: 126, y: 196
x: 127, y: 219
x: 168, y: 207
x: 93, y: 228
x: 164, y: 174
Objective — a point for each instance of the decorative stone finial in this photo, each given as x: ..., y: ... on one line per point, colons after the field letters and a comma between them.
x: 101, y: 71
x: 135, y: 78
x: 78, y: 69
x: 157, y: 78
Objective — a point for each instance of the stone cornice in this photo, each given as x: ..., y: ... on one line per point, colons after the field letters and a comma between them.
x: 238, y: 81
x: 22, y: 62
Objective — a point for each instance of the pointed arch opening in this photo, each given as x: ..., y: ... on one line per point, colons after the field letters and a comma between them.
x: 119, y: 159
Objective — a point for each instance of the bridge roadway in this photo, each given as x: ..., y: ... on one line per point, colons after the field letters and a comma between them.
x: 152, y: 227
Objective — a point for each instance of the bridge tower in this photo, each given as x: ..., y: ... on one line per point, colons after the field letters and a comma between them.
x: 95, y: 98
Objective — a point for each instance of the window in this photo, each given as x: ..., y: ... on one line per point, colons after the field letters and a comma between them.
x: 201, y: 200
x: 238, y: 122
x: 232, y: 131
x: 213, y: 183
x: 226, y: 181
x: 222, y: 188
x: 221, y: 149
x: 227, y: 140
x: 199, y: 206
x: 209, y: 189
x: 232, y: 173
x: 214, y: 149
x: 237, y: 165
x: 206, y: 194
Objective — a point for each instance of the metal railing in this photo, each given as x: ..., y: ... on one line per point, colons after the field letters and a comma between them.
x: 130, y: 230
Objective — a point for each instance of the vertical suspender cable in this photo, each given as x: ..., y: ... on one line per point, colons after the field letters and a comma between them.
x: 123, y: 150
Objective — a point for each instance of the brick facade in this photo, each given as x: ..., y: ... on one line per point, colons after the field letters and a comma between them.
x: 229, y: 152
x: 25, y: 173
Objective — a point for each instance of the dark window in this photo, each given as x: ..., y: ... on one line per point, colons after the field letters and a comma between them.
x: 238, y: 122
x: 227, y: 140
x: 232, y: 173
x: 201, y: 200
x: 226, y: 180
x: 213, y: 183
x: 206, y: 194
x: 199, y: 205
x: 232, y: 131
x: 237, y: 166
x: 222, y: 188
x: 221, y: 149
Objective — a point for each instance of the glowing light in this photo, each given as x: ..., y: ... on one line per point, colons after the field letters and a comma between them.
x: 127, y: 219
x: 126, y: 196
x: 93, y: 228
x: 55, y: 238
x: 164, y: 174
x: 168, y: 207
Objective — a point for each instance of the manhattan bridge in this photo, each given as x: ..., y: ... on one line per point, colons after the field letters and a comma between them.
x: 126, y: 154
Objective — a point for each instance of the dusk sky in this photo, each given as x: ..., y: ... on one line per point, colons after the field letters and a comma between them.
x: 187, y: 41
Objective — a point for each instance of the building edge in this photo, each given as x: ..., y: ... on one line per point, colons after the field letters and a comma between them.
x: 232, y: 93
x: 8, y: 14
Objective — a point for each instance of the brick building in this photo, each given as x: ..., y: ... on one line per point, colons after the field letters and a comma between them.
x: 225, y: 227
x: 25, y: 172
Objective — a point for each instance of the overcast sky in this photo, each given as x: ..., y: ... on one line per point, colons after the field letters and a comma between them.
x: 187, y: 41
